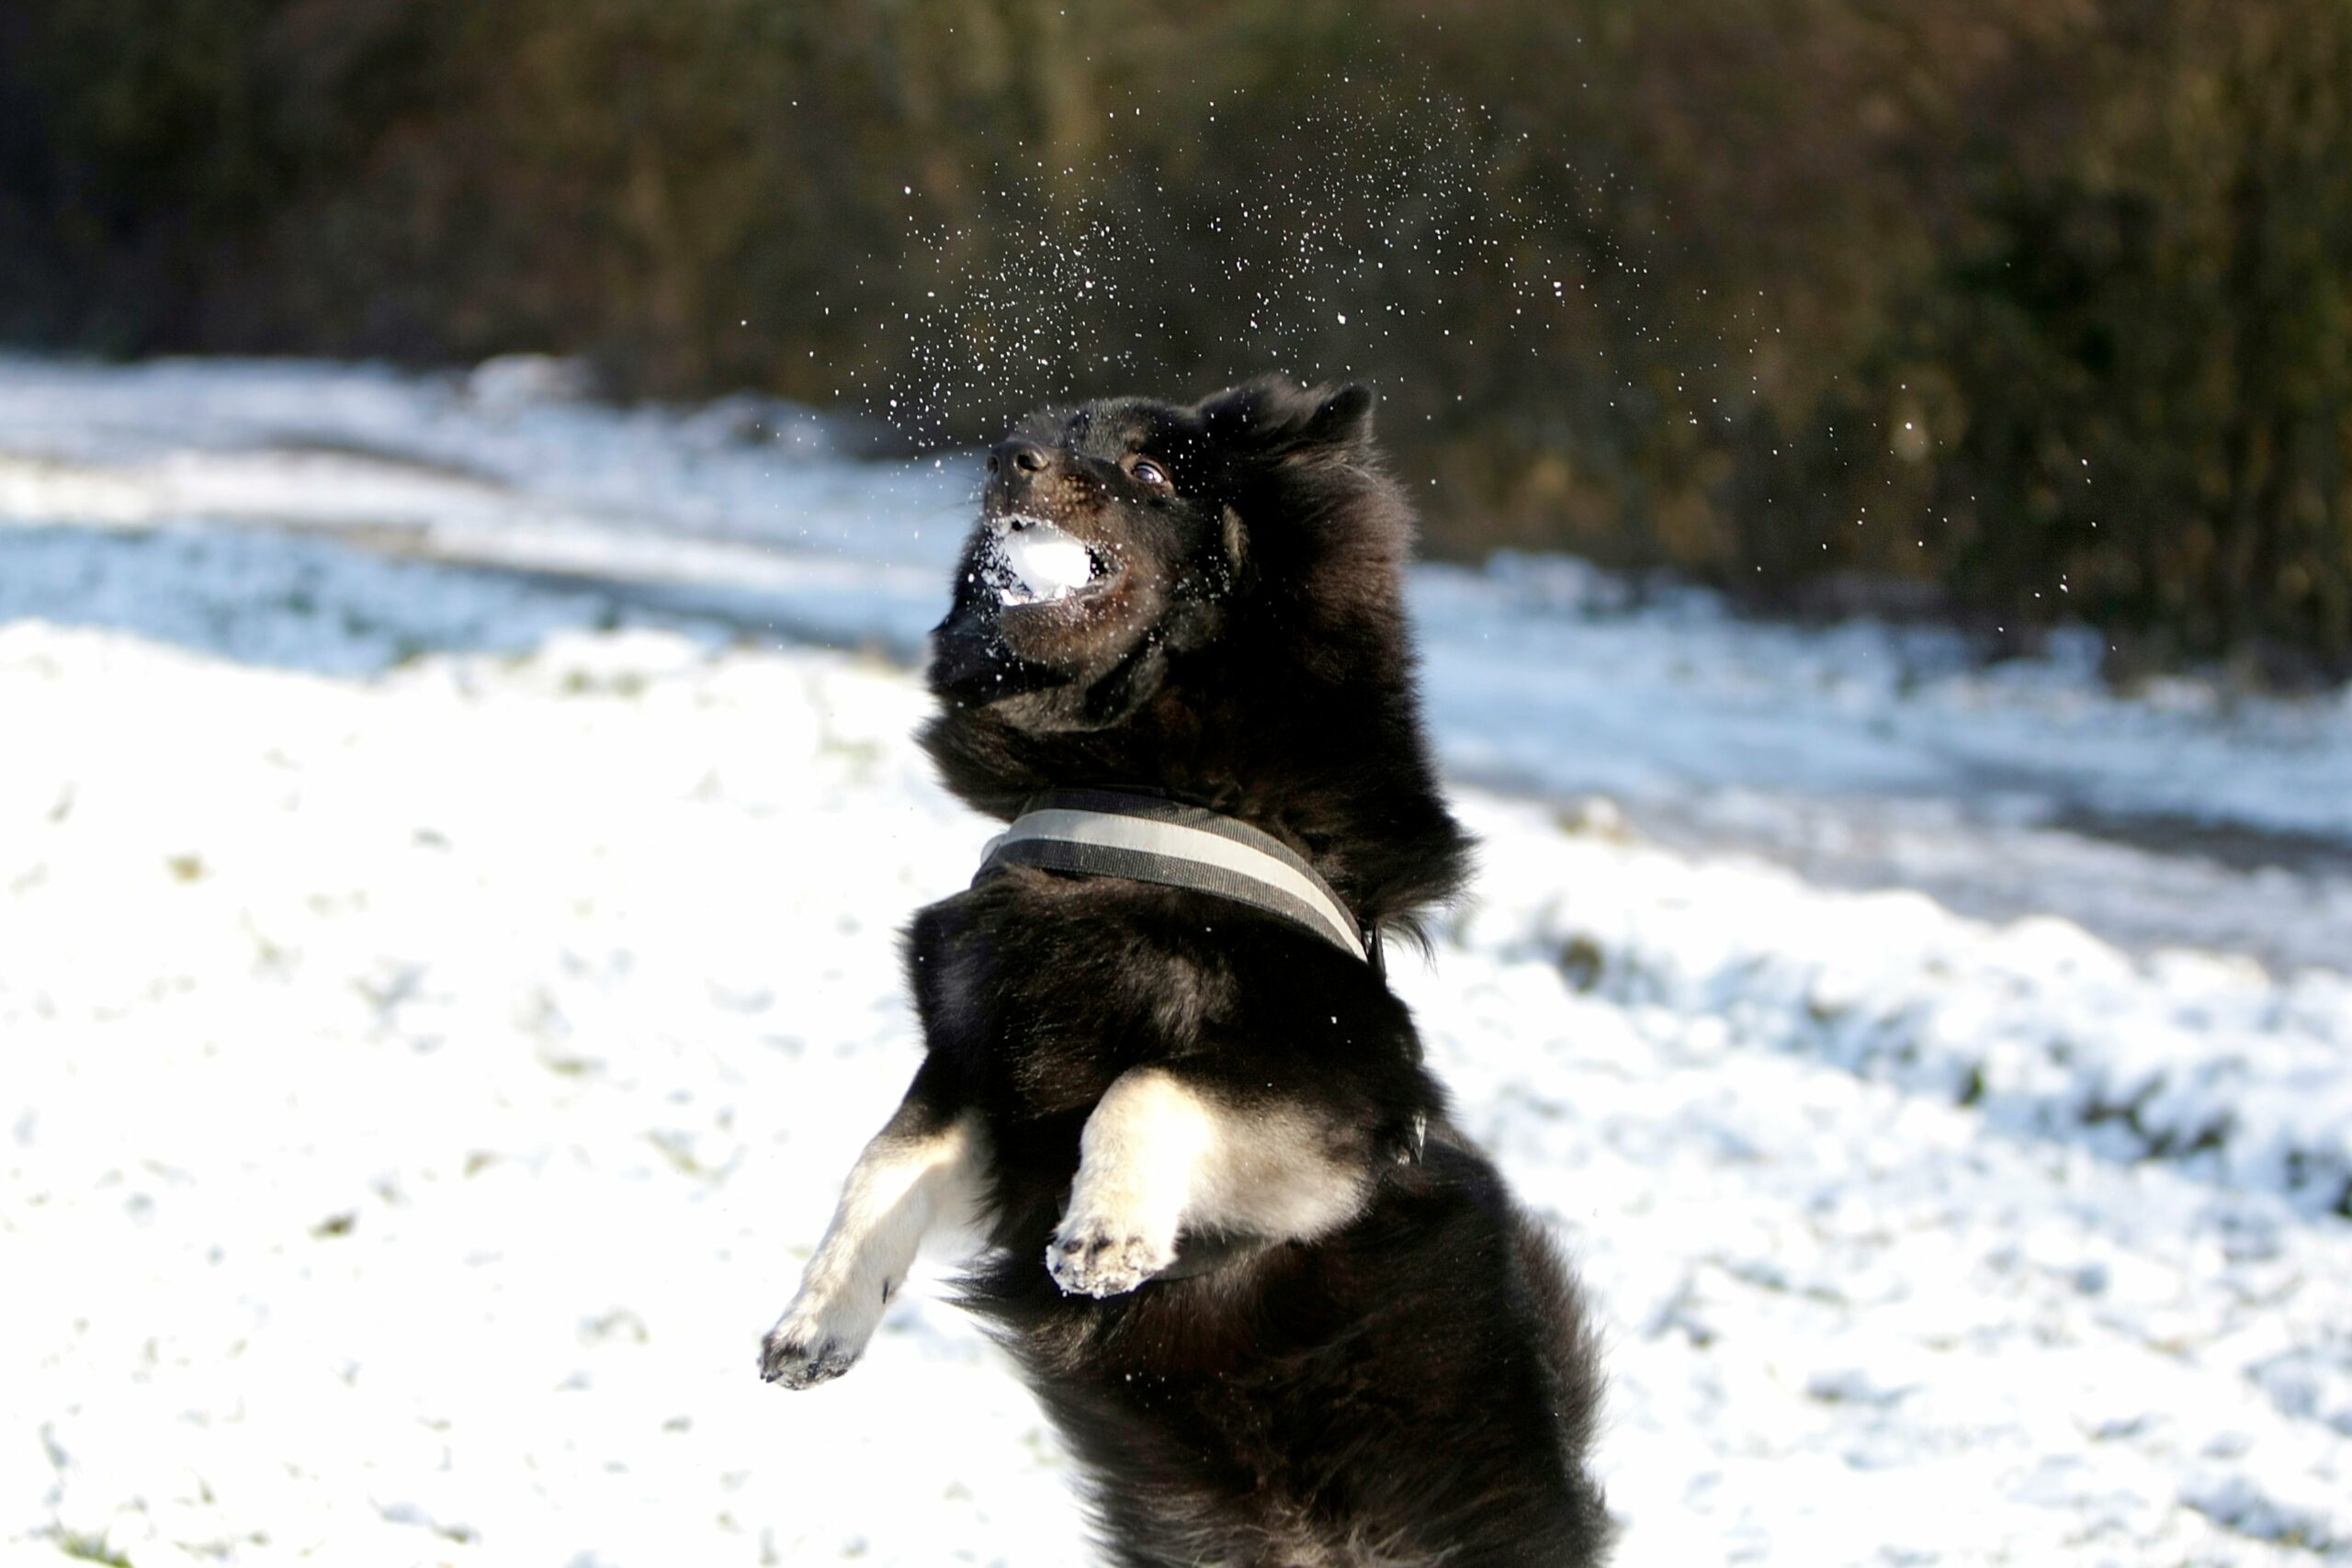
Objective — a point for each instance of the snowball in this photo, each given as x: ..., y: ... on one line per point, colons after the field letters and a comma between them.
x: 1041, y: 562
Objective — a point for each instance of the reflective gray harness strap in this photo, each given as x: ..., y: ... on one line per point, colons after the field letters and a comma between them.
x: 1143, y: 839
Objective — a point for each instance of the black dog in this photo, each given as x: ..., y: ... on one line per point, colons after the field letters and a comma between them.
x: 1283, y: 1312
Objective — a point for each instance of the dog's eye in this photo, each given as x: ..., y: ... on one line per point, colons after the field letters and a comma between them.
x: 1148, y: 472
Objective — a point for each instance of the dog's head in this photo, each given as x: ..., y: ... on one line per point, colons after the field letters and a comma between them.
x: 1206, y: 599
x: 1118, y: 539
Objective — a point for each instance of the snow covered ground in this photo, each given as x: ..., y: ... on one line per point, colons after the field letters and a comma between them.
x: 451, y: 839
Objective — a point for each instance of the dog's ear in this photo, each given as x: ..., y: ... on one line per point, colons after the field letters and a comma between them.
x: 1285, y: 420
x: 1342, y: 419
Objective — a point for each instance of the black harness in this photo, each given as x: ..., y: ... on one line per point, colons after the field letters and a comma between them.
x: 1145, y: 837
x: 1091, y: 832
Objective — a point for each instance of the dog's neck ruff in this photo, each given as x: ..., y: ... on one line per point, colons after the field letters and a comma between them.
x: 1144, y: 839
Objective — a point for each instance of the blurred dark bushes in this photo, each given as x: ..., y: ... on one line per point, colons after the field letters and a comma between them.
x: 2005, y: 308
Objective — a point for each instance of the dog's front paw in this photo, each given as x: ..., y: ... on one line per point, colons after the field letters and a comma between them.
x: 797, y: 1360
x: 1105, y: 1260
x: 809, y: 1345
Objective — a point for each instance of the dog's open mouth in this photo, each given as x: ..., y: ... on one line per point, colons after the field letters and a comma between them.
x: 1031, y: 561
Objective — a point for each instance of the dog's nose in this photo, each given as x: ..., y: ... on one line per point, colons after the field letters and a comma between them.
x: 1016, y: 460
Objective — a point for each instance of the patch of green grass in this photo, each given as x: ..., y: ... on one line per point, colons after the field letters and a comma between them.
x: 91, y: 1549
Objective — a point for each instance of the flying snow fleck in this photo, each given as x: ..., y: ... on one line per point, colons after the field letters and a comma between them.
x: 1051, y: 288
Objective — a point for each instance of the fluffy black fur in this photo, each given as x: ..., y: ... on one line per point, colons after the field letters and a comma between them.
x: 1419, y: 1386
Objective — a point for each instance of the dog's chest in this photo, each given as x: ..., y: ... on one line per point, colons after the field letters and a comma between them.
x: 1031, y: 1045
x: 1053, y: 1066
x: 1041, y: 1012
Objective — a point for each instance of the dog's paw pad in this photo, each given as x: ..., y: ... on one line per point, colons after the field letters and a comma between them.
x: 801, y: 1359
x: 1100, y: 1263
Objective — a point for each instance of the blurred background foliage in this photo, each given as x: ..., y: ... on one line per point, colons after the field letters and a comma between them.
x: 2000, y: 309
